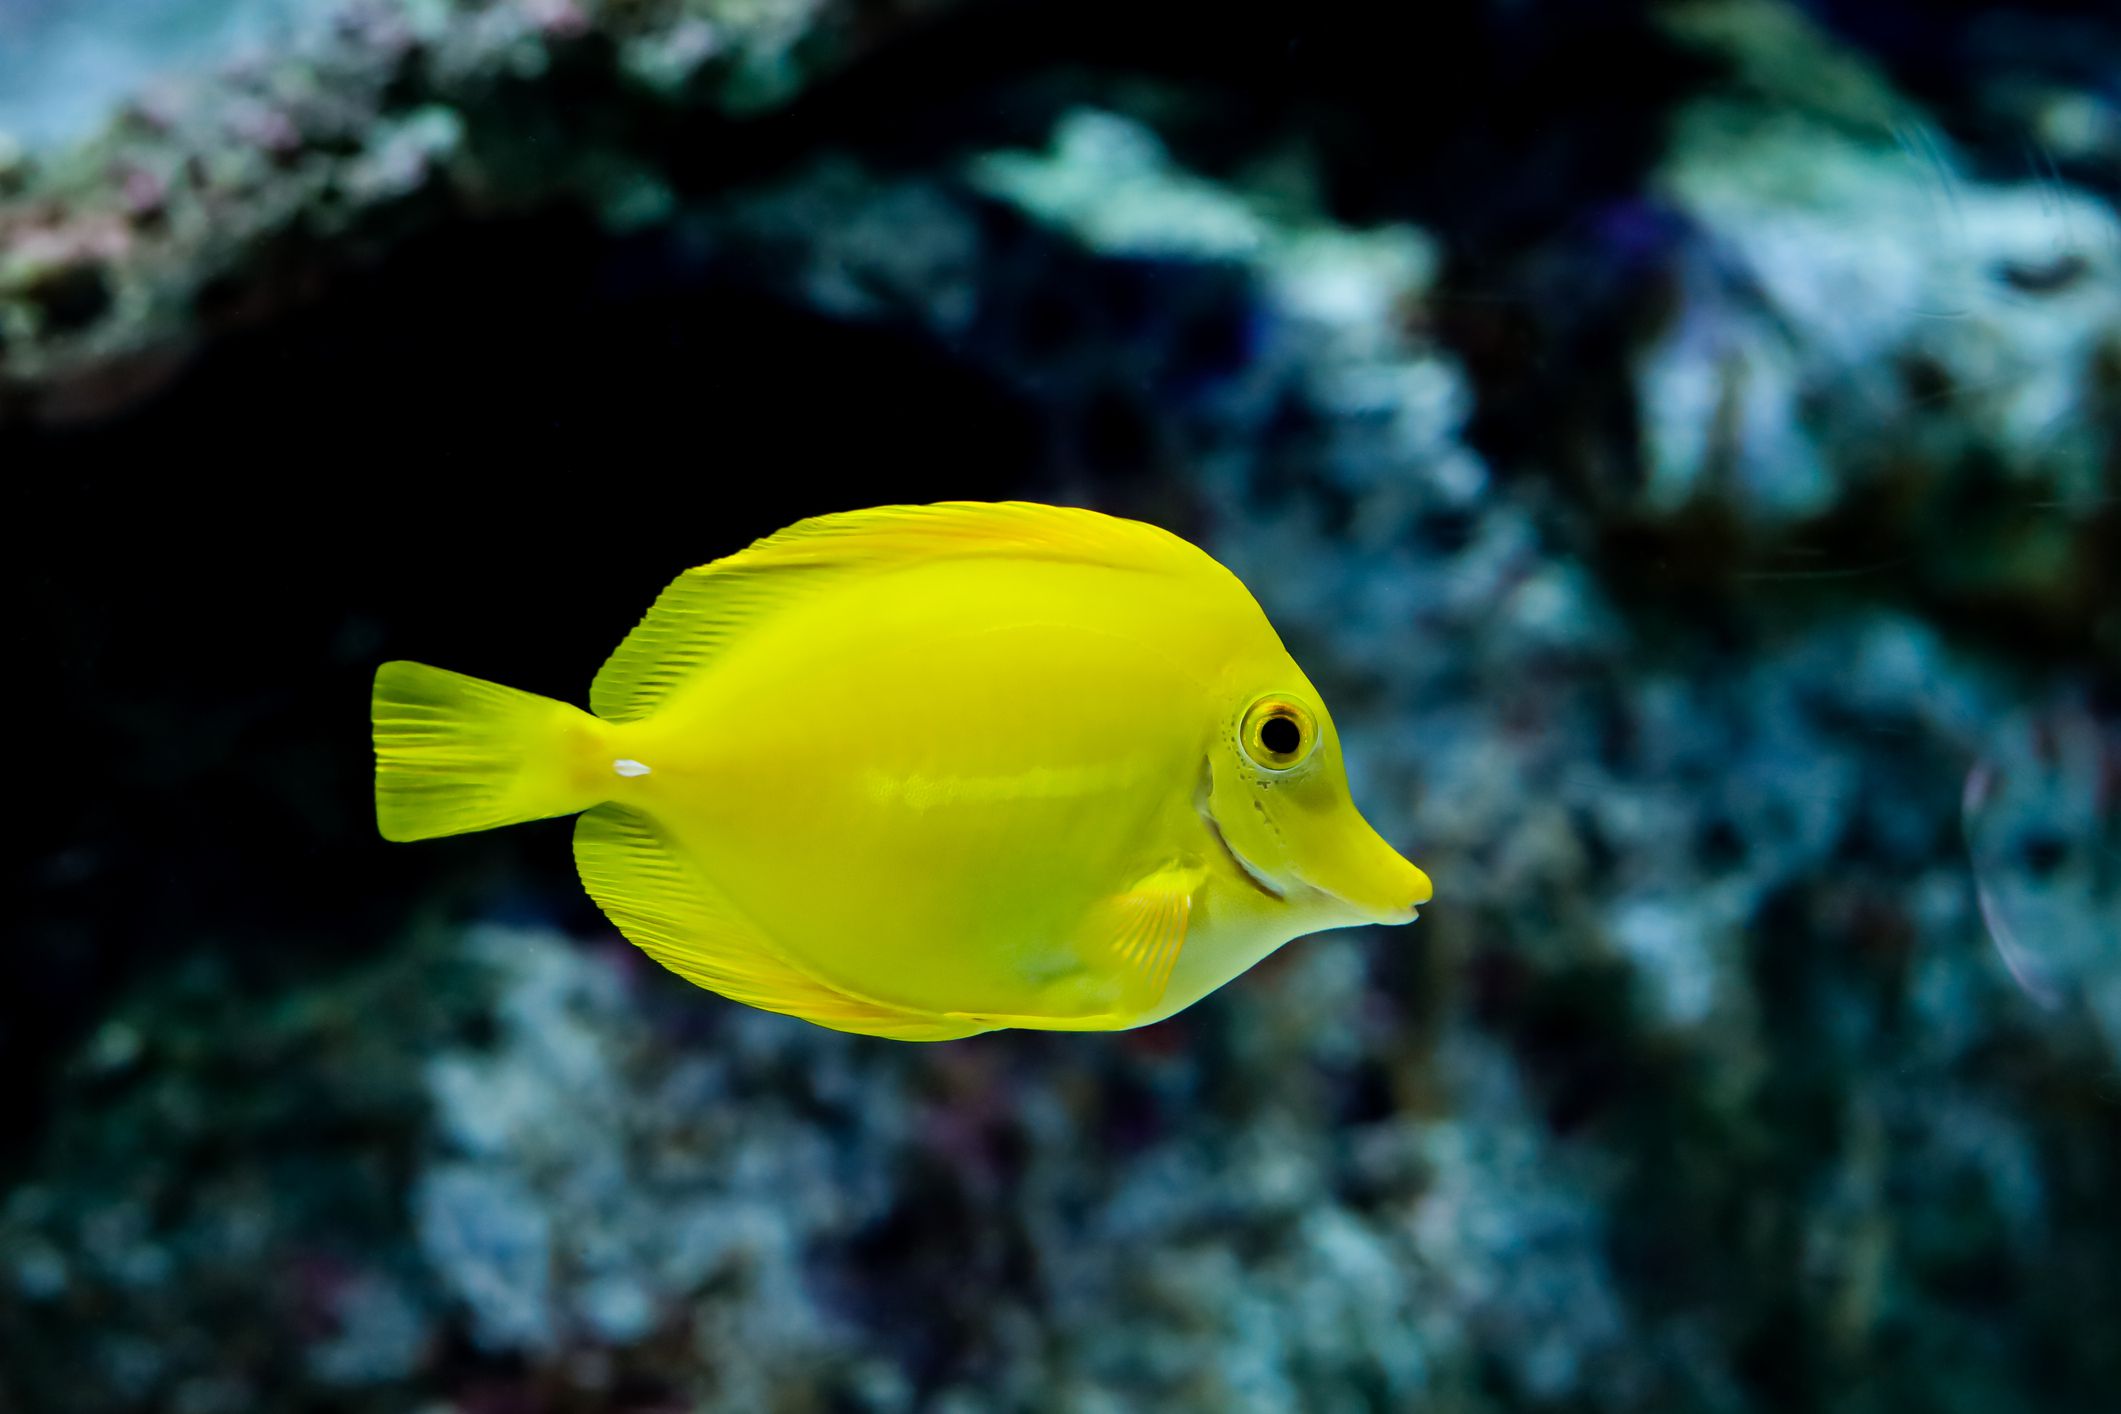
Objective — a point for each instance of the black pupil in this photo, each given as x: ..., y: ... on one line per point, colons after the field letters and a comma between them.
x: 1281, y: 736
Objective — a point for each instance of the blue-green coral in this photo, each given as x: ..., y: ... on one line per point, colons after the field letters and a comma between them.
x: 1757, y: 1053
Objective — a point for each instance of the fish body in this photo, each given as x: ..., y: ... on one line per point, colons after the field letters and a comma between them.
x: 929, y: 771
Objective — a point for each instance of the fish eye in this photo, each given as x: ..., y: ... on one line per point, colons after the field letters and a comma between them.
x: 1278, y: 734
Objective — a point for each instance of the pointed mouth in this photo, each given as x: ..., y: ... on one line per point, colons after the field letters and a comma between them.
x: 1394, y: 914
x: 1391, y: 914
x: 1244, y: 866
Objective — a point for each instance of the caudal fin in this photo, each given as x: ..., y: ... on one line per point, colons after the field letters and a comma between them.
x: 456, y: 754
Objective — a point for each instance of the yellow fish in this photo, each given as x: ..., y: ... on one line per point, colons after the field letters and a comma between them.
x: 927, y: 771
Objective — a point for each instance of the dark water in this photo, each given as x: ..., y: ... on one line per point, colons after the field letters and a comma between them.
x: 1683, y: 445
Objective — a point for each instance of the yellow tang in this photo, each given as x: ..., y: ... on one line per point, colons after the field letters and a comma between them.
x: 926, y: 771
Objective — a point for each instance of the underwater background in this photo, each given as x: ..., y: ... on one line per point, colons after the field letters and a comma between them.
x: 1682, y: 441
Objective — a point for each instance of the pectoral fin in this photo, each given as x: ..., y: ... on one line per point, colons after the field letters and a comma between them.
x: 1128, y: 946
x: 1145, y: 928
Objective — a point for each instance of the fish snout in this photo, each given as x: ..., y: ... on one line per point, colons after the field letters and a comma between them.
x: 1416, y: 889
x: 1376, y: 882
x: 1423, y: 892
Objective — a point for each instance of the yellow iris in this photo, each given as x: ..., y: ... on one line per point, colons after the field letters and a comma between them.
x: 1278, y: 734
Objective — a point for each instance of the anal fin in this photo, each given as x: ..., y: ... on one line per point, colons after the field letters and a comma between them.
x: 663, y: 905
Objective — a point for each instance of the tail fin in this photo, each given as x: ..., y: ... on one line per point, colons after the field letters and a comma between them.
x: 455, y: 754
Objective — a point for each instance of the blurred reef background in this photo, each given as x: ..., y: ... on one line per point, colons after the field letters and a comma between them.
x: 1683, y: 440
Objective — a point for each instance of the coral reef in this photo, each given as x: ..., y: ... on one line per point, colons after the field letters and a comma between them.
x: 1861, y: 323
x: 1711, y: 564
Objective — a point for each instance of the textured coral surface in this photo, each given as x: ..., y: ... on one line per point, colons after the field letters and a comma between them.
x: 1682, y: 441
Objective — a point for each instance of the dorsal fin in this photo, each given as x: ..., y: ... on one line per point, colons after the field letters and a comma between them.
x: 705, y: 609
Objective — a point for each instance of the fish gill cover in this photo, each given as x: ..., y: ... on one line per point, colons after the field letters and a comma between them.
x: 1683, y: 442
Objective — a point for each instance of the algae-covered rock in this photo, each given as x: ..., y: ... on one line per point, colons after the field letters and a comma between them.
x: 65, y: 66
x: 213, y: 199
